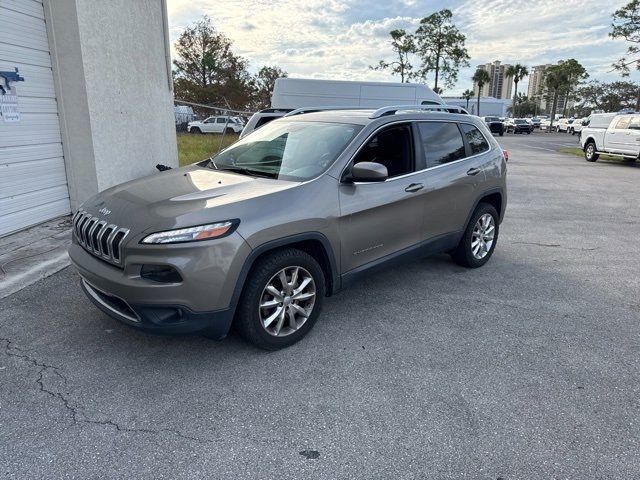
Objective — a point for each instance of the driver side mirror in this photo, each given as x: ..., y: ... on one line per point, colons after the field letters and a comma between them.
x: 368, y: 172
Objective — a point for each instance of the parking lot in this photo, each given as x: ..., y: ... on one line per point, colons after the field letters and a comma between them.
x: 525, y: 368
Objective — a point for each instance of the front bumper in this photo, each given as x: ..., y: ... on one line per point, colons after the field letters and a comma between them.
x: 202, y: 300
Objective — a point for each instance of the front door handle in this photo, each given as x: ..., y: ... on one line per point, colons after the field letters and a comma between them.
x: 473, y: 171
x: 414, y: 187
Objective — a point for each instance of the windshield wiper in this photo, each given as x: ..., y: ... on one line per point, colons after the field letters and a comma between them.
x: 245, y: 171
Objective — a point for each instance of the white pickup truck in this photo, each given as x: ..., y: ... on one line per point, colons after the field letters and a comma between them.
x: 613, y: 134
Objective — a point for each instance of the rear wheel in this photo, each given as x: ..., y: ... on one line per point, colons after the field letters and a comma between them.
x: 590, y: 154
x: 479, y: 239
x: 281, y: 300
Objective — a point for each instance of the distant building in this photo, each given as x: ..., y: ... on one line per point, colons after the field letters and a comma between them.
x: 489, y: 106
x: 500, y: 84
x: 537, y: 90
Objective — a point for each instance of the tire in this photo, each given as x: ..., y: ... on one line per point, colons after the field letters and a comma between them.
x: 196, y: 130
x: 501, y: 134
x: 590, y: 154
x: 229, y: 130
x: 463, y: 254
x: 265, y: 272
x: 528, y: 132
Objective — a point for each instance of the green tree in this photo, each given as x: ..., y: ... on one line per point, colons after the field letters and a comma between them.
x: 441, y: 48
x: 518, y: 72
x: 608, y: 97
x: 467, y: 95
x: 523, y: 106
x: 404, y: 46
x: 207, y: 71
x: 575, y: 74
x: 265, y: 81
x: 480, y: 78
x: 626, y: 25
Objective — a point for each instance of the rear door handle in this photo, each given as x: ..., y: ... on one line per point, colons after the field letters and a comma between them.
x: 473, y: 171
x: 414, y: 187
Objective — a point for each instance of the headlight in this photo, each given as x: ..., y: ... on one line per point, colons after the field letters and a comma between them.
x: 193, y: 234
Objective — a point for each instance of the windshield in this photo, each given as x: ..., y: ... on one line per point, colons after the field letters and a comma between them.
x: 287, y: 150
x: 521, y: 121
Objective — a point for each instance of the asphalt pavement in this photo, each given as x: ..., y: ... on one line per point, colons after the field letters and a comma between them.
x: 526, y: 368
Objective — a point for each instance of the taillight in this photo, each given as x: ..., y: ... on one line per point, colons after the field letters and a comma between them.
x: 505, y: 154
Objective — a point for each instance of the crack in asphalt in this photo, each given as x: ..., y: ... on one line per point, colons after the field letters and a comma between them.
x: 78, y: 417
x: 555, y: 245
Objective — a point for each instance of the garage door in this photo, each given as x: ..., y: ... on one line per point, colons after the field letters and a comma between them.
x: 33, y: 183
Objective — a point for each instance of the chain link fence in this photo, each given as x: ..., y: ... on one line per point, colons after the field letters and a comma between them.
x: 204, y: 130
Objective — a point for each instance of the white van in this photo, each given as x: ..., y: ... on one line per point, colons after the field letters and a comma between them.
x: 293, y: 93
x: 302, y: 92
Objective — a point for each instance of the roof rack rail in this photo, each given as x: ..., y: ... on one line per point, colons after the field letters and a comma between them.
x: 275, y: 110
x: 300, y: 111
x: 393, y: 109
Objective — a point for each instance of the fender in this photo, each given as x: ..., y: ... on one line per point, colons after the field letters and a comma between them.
x: 481, y: 196
x: 283, y: 242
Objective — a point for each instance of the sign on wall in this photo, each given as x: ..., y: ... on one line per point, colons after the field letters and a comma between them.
x: 9, y: 106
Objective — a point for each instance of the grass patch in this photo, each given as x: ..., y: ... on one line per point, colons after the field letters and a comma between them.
x: 194, y: 148
x: 578, y: 152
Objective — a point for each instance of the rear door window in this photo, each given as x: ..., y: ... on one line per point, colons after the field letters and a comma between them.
x: 441, y: 142
x: 476, y: 140
x: 623, y: 123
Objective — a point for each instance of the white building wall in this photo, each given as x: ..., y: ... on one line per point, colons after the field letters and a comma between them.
x: 112, y: 69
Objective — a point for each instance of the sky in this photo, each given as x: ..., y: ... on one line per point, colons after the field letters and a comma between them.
x: 340, y: 39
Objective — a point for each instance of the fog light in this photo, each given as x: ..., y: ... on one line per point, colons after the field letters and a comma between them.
x: 160, y: 273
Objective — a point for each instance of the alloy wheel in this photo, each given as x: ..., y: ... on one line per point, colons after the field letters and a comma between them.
x: 482, y: 236
x: 287, y: 301
x: 590, y: 150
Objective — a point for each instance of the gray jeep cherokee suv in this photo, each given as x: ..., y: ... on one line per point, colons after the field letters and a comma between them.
x: 259, y: 234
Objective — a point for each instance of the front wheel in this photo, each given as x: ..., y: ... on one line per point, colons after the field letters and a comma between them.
x: 590, y: 154
x: 196, y: 130
x: 281, y: 300
x: 479, y: 239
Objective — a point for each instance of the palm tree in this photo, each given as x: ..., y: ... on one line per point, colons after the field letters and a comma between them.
x: 480, y: 78
x: 467, y: 95
x: 555, y: 80
x: 518, y: 72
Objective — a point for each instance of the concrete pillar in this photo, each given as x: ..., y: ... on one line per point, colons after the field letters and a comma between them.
x: 113, y: 79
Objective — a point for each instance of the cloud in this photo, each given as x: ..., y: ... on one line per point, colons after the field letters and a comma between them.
x: 340, y: 39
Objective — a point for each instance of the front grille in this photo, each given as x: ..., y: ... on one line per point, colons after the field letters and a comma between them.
x: 102, y: 239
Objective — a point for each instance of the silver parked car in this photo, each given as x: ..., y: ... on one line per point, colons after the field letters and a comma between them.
x: 262, y: 232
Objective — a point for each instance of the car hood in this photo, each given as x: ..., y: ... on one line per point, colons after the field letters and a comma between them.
x: 178, y: 198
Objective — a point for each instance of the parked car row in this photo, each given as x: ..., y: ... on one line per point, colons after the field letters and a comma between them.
x: 508, y: 125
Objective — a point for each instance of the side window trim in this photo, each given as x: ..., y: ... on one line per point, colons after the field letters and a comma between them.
x: 420, y: 157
